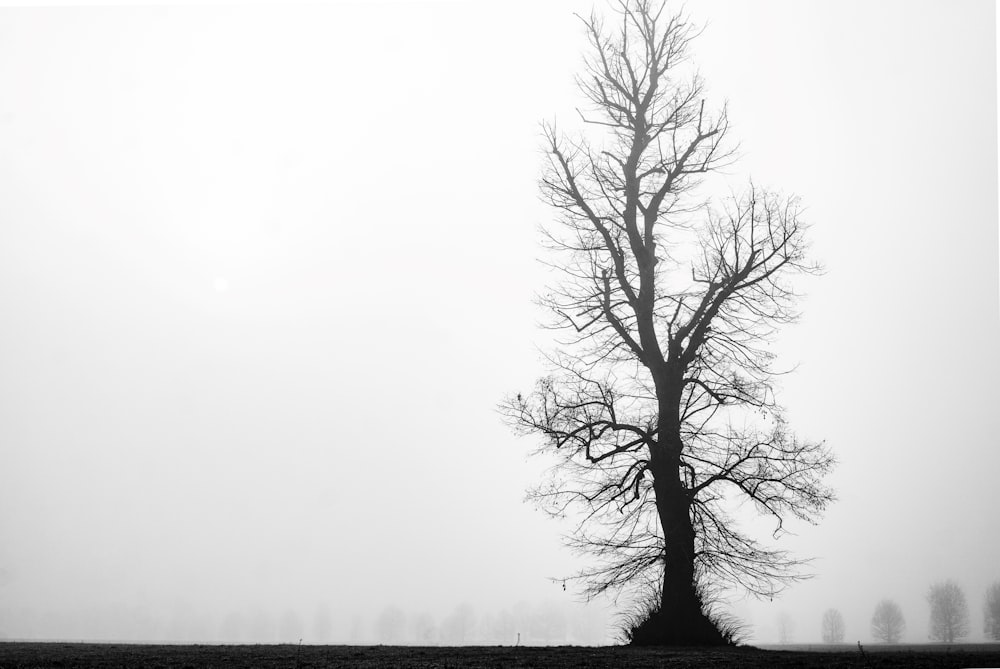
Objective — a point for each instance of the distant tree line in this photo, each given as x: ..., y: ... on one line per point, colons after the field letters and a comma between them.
x: 541, y: 624
x: 949, y: 617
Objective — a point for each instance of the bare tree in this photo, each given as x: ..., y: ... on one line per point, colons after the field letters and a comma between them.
x: 322, y: 624
x: 888, y: 624
x: 949, y: 612
x: 786, y: 628
x: 459, y: 628
x: 661, y: 402
x: 991, y: 612
x: 423, y: 629
x: 390, y: 625
x: 290, y: 627
x: 833, y: 626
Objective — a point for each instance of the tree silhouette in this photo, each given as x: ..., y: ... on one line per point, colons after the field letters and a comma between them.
x: 786, y: 628
x: 887, y: 622
x: 661, y: 401
x: 949, y: 612
x: 322, y: 624
x: 991, y: 612
x: 290, y: 627
x: 423, y: 629
x: 459, y: 627
x: 833, y: 626
x: 390, y: 626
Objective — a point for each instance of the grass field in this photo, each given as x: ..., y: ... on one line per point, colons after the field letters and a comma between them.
x: 18, y: 655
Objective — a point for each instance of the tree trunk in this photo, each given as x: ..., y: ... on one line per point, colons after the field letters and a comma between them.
x: 679, y: 598
x: 680, y: 619
x: 682, y: 616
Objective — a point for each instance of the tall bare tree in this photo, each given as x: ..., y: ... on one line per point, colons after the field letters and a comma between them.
x: 888, y: 624
x: 661, y: 401
x: 949, y: 612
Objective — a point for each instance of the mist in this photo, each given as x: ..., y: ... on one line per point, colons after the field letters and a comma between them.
x: 267, y: 271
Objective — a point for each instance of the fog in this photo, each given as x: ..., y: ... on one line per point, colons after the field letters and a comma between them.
x: 266, y: 272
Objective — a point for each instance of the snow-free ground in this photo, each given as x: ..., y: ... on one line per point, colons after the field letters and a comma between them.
x: 20, y: 655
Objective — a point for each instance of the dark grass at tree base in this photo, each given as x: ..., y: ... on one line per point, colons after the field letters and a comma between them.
x: 20, y: 655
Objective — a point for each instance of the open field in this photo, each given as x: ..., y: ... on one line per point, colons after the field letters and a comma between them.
x: 18, y: 655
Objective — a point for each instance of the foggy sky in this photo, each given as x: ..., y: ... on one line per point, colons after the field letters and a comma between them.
x: 265, y: 273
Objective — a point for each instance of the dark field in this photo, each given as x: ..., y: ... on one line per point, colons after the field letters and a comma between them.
x: 107, y: 656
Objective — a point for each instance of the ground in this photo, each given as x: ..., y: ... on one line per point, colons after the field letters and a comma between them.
x: 106, y: 656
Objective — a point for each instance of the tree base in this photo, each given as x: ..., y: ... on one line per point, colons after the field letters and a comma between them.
x: 660, y: 628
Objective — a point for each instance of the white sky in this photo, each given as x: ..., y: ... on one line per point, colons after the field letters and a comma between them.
x: 266, y: 271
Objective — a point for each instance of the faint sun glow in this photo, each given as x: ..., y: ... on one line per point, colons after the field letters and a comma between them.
x: 221, y: 284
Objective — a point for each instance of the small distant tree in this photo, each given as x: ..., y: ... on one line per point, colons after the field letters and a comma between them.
x: 833, y: 626
x: 390, y: 625
x: 358, y: 631
x: 888, y: 624
x: 949, y: 612
x: 500, y: 628
x: 423, y: 629
x: 234, y: 627
x: 459, y: 628
x: 506, y: 627
x: 991, y: 612
x: 786, y: 628
x: 322, y: 624
x: 262, y: 628
x: 290, y: 627
x: 548, y: 624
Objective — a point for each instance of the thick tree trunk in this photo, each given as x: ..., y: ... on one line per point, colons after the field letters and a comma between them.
x: 681, y: 619
x: 678, y: 592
